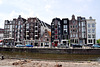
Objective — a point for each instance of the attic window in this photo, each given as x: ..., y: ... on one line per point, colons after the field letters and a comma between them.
x: 73, y: 21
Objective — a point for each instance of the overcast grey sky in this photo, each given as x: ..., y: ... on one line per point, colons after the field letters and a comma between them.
x: 45, y: 10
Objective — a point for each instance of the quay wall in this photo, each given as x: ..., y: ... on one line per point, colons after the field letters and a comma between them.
x: 53, y: 50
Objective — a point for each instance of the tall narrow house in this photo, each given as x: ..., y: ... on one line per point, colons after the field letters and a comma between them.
x: 65, y: 31
x: 56, y: 31
x: 9, y: 29
x: 82, y: 28
x: 19, y: 32
x: 91, y: 31
x: 73, y: 27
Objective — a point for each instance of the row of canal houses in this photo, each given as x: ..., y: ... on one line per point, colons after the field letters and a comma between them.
x: 35, y: 32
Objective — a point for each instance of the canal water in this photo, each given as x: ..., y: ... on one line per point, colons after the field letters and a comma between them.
x: 59, y: 57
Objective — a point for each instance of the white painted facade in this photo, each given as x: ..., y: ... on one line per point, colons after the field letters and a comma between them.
x: 91, y: 31
x: 1, y: 36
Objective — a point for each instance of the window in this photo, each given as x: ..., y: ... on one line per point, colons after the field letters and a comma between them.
x: 10, y: 27
x: 71, y: 35
x: 65, y: 21
x: 71, y: 26
x: 76, y: 35
x: 79, y: 23
x: 36, y: 28
x: 20, y: 26
x: 93, y: 36
x: 88, y: 25
x: 76, y: 26
x: 16, y: 26
x: 73, y: 30
x: 52, y: 31
x: 93, y: 25
x: 73, y: 21
x: 19, y: 23
x: 65, y: 26
x: 59, y: 26
x: 47, y: 39
x: 55, y: 31
x: 37, y: 37
x: 58, y: 23
x: 79, y: 35
x: 93, y: 30
x: 83, y: 23
x: 79, y: 30
x: 89, y: 41
x: 27, y: 25
x: 59, y: 31
x: 76, y: 30
x: 89, y: 36
x: 89, y: 30
x: 70, y: 31
x: 52, y: 26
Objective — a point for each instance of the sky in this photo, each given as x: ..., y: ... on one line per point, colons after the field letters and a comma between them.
x: 46, y: 10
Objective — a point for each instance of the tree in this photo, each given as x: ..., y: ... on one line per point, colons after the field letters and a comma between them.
x: 98, y: 41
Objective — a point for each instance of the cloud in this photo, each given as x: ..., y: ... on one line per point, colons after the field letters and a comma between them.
x: 47, y: 7
x: 0, y: 1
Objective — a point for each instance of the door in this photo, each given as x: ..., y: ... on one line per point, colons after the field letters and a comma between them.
x: 56, y: 43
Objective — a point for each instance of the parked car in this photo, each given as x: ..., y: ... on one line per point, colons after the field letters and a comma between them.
x: 62, y: 46
x: 95, y: 46
x: 28, y: 45
x: 76, y: 46
x: 20, y: 45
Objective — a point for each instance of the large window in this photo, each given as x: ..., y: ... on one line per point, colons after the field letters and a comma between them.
x: 88, y: 25
x: 93, y: 30
x: 65, y: 26
x: 10, y: 27
x: 89, y: 30
x: 89, y: 41
x: 27, y: 25
x: 93, y: 25
x: 71, y: 35
x: 83, y: 23
x: 89, y: 36
x: 65, y: 21
x: 93, y: 36
x: 76, y: 35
